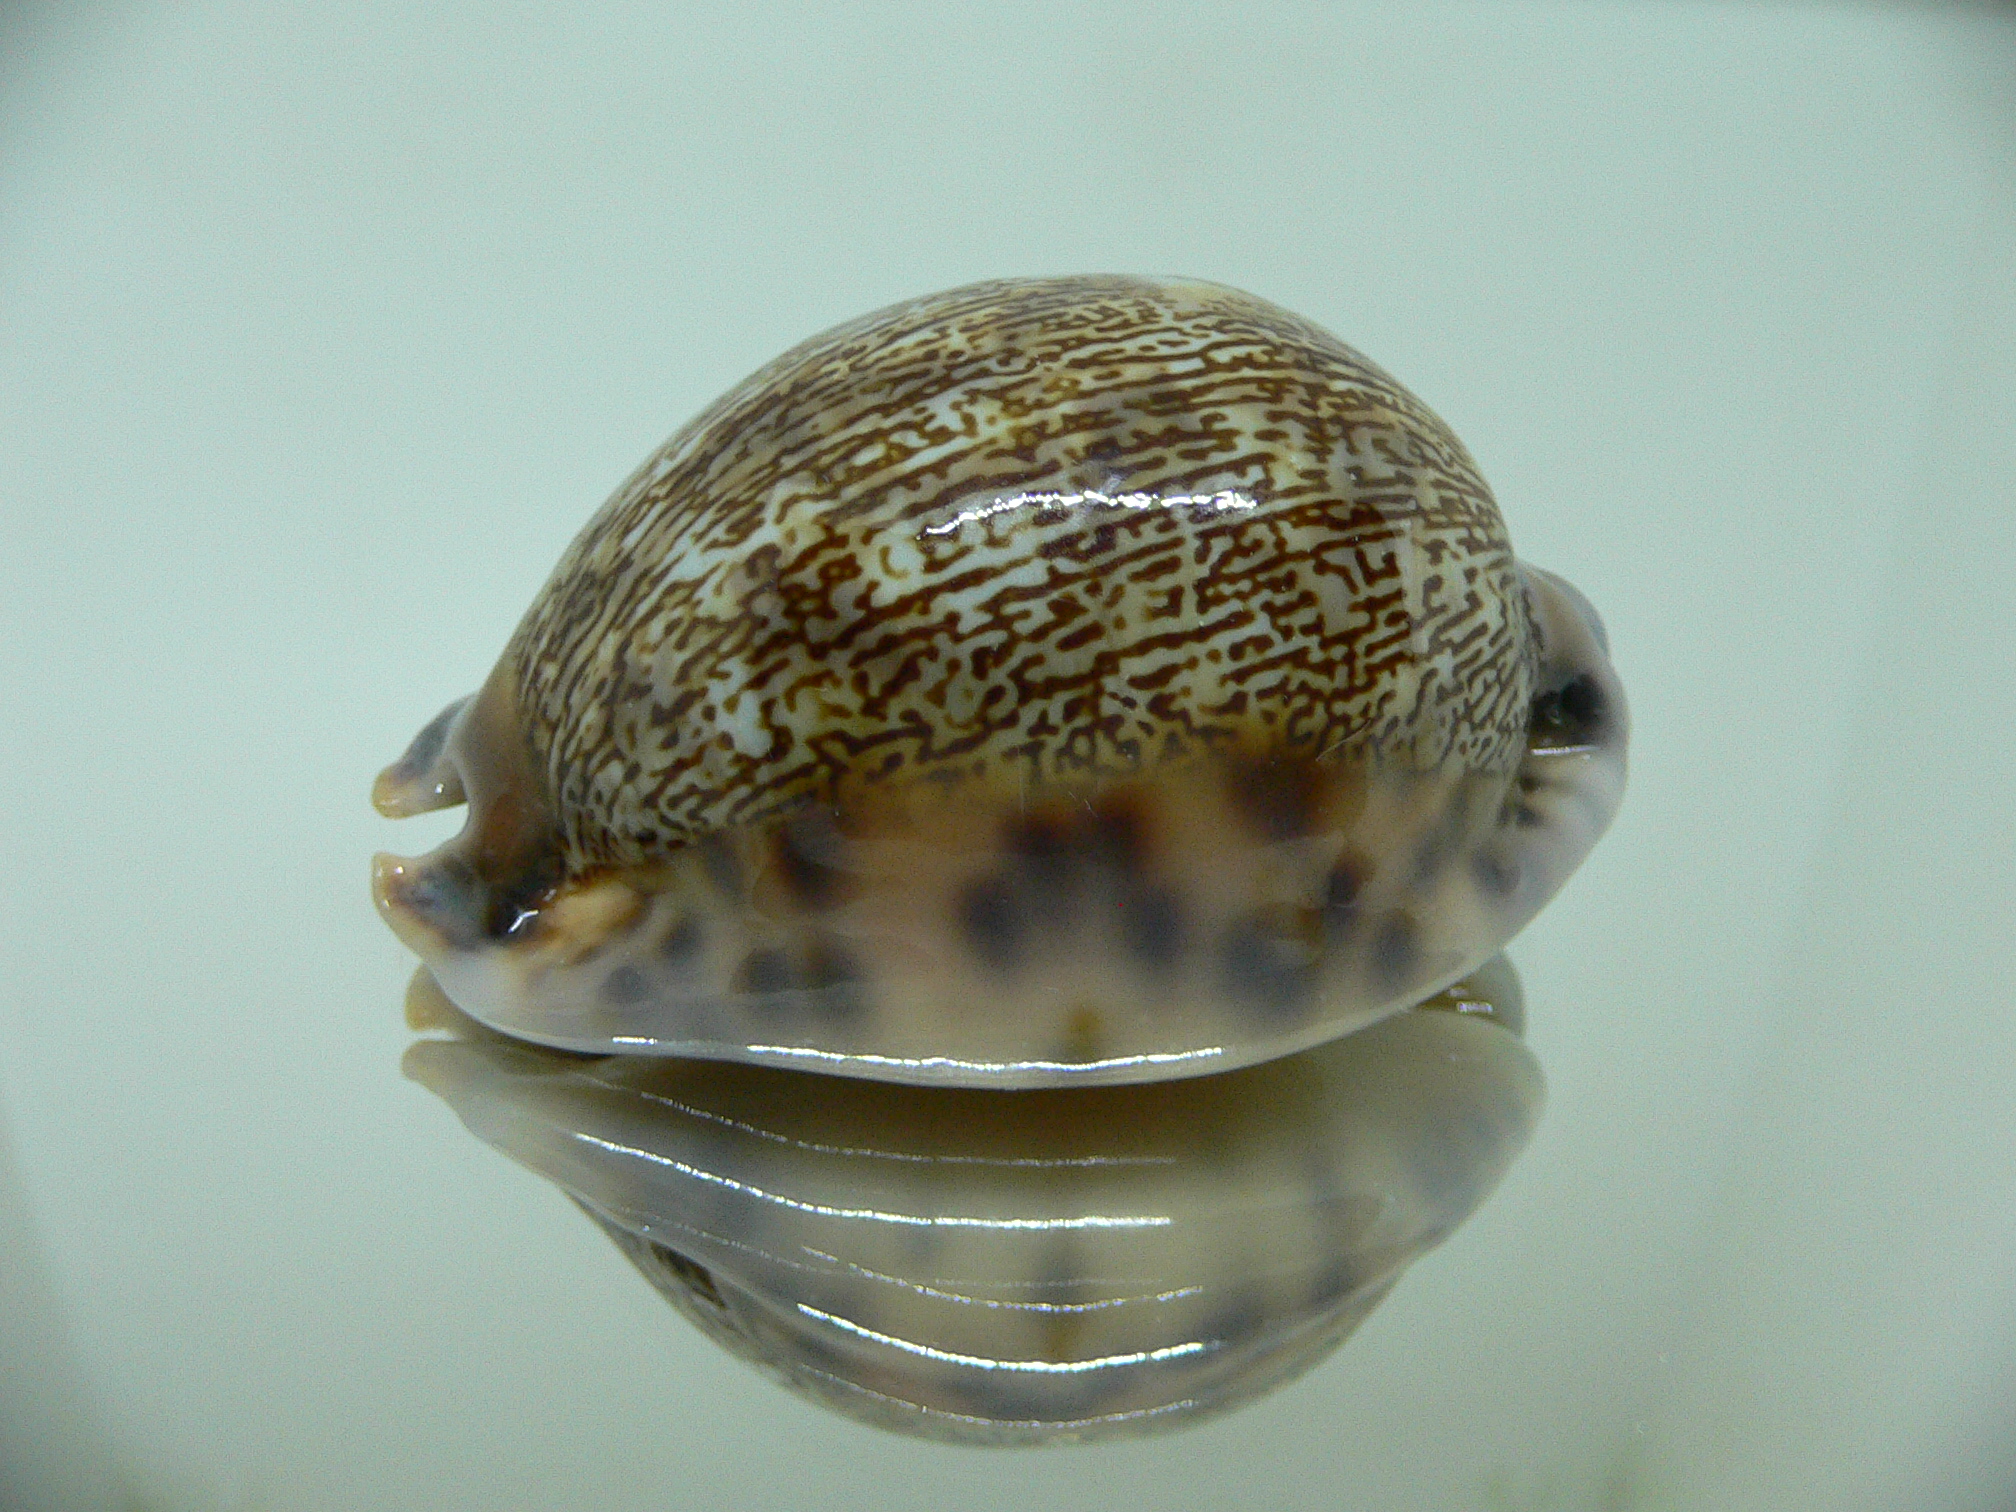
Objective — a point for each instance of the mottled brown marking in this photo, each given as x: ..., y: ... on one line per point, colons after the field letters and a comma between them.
x: 1279, y: 797
x: 905, y: 551
x: 1045, y: 842
x: 1121, y: 832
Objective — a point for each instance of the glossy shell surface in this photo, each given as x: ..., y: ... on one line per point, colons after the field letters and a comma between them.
x: 1083, y: 679
x: 1066, y: 1264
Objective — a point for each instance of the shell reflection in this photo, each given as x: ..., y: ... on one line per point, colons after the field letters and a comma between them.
x: 1032, y: 1266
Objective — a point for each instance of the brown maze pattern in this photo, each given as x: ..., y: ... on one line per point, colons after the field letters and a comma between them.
x: 1033, y: 532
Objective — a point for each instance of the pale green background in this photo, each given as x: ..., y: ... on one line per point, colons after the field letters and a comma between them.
x: 322, y: 329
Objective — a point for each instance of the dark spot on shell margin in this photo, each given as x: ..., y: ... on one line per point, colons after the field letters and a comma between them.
x: 515, y: 901
x: 994, y: 922
x: 1119, y: 834
x: 722, y: 866
x: 624, y: 986
x: 1044, y: 845
x: 1396, y: 949
x: 1342, y: 889
x: 1153, y: 926
x: 1495, y: 875
x: 1272, y: 959
x: 765, y: 970
x: 807, y: 849
x: 1279, y: 798
x: 681, y: 945
x: 839, y: 981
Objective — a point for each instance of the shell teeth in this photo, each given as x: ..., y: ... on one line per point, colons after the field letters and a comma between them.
x: 410, y: 900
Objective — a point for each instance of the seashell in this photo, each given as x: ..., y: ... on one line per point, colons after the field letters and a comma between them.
x: 1062, y: 680
x: 1063, y: 1264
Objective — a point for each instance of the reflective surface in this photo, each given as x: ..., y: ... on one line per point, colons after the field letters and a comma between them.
x: 1025, y: 1268
x: 320, y: 334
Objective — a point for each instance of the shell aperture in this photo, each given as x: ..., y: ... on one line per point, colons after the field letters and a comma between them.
x: 1049, y: 681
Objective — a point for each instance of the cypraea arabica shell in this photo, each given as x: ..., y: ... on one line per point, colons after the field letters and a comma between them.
x: 1064, y: 680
